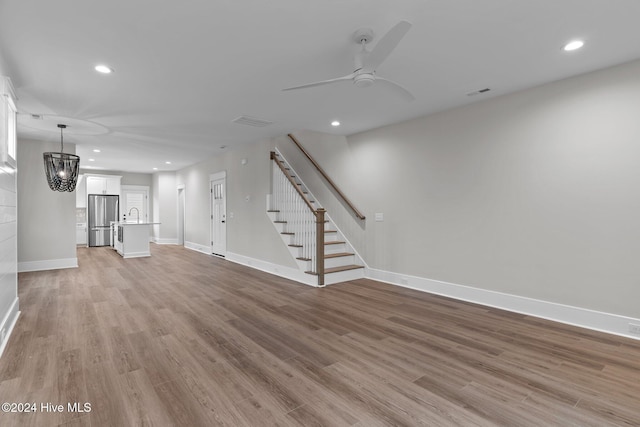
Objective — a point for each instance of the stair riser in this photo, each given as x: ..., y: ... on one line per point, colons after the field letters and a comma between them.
x: 343, y: 276
x: 334, y: 249
x: 339, y: 261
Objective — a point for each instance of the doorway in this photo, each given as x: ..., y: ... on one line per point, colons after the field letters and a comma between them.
x: 218, y: 188
x: 135, y: 203
x: 181, y: 212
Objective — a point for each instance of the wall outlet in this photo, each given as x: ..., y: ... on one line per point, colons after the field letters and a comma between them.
x: 634, y: 328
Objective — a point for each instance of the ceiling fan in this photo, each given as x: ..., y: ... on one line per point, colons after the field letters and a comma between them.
x: 366, y: 62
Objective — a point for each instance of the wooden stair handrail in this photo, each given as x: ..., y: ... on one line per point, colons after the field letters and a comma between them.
x: 326, y: 177
x: 319, y: 215
x: 292, y: 181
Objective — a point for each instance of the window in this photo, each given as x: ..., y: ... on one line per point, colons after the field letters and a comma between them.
x: 8, y: 131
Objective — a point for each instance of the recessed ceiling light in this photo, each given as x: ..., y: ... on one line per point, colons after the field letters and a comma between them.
x: 155, y: 169
x: 92, y: 160
x: 335, y: 123
x: 103, y: 69
x: 96, y: 151
x: 168, y: 163
x: 573, y: 45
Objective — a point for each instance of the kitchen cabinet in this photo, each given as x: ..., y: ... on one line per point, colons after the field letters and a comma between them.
x: 81, y: 234
x: 103, y: 184
x: 132, y: 239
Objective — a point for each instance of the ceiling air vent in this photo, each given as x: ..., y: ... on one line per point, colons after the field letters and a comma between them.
x: 478, y: 92
x: 252, y: 121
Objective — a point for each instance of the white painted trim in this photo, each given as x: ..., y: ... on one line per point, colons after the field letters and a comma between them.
x: 218, y: 175
x: 215, y: 177
x: 9, y: 322
x: 198, y: 248
x: 143, y: 188
x: 51, y: 264
x: 181, y: 189
x: 278, y: 270
x: 160, y: 241
x: 136, y: 254
x: 575, y: 316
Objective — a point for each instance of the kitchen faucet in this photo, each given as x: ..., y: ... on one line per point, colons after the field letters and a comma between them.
x: 137, y: 212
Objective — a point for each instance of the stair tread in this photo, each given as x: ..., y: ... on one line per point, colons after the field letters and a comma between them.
x: 330, y: 231
x: 336, y: 242
x: 295, y: 246
x: 337, y: 255
x: 337, y: 269
x: 342, y: 268
x: 304, y: 259
x: 288, y: 233
x: 280, y: 222
x: 273, y: 210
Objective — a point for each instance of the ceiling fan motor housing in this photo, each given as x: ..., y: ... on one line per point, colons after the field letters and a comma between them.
x: 364, y: 80
x: 363, y: 35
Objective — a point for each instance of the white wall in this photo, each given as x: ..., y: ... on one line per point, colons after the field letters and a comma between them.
x: 165, y: 209
x: 9, y: 305
x: 46, y: 225
x: 250, y: 233
x: 534, y: 194
x: 8, y: 253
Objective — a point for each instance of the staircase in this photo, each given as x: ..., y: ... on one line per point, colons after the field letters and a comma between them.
x: 313, y: 239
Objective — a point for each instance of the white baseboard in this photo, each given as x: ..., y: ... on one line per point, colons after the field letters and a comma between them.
x: 278, y: 270
x: 141, y: 254
x: 576, y: 316
x: 160, y: 241
x: 50, y: 264
x: 8, y: 323
x: 198, y: 248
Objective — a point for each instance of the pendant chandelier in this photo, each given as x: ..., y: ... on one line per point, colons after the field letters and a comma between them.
x: 61, y: 168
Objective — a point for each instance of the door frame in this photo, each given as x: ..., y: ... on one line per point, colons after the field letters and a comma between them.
x: 181, y: 194
x: 143, y: 188
x: 215, y: 177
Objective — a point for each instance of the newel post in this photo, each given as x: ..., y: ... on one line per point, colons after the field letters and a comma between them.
x: 320, y: 245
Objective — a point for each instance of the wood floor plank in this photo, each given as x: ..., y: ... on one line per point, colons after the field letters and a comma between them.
x: 182, y: 338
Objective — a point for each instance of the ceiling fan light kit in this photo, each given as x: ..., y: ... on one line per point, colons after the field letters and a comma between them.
x: 366, y: 62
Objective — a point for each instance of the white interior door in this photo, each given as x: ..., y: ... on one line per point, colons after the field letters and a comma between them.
x: 135, y: 197
x: 218, y: 215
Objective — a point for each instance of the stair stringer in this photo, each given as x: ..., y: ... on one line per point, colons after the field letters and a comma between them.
x: 330, y: 278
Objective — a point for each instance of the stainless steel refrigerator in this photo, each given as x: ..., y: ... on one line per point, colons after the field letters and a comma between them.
x: 103, y: 209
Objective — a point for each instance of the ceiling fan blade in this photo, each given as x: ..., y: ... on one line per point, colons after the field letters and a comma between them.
x: 323, y: 82
x: 401, y: 90
x: 385, y: 46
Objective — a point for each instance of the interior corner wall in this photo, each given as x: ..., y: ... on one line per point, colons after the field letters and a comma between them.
x: 250, y: 233
x: 46, y: 219
x: 534, y: 194
x: 165, y: 207
x: 9, y: 306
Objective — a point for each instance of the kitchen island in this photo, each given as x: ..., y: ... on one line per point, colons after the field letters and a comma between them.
x: 131, y: 239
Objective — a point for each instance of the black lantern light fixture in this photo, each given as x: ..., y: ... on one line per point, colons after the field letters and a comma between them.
x: 61, y: 168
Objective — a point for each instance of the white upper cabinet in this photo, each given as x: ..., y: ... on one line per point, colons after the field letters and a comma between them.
x: 103, y: 184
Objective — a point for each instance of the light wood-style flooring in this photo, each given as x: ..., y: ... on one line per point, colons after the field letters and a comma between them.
x: 185, y: 339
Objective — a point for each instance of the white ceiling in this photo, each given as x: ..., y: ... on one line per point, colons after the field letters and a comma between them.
x: 184, y: 70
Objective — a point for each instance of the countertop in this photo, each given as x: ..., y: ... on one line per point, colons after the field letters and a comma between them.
x: 135, y: 223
